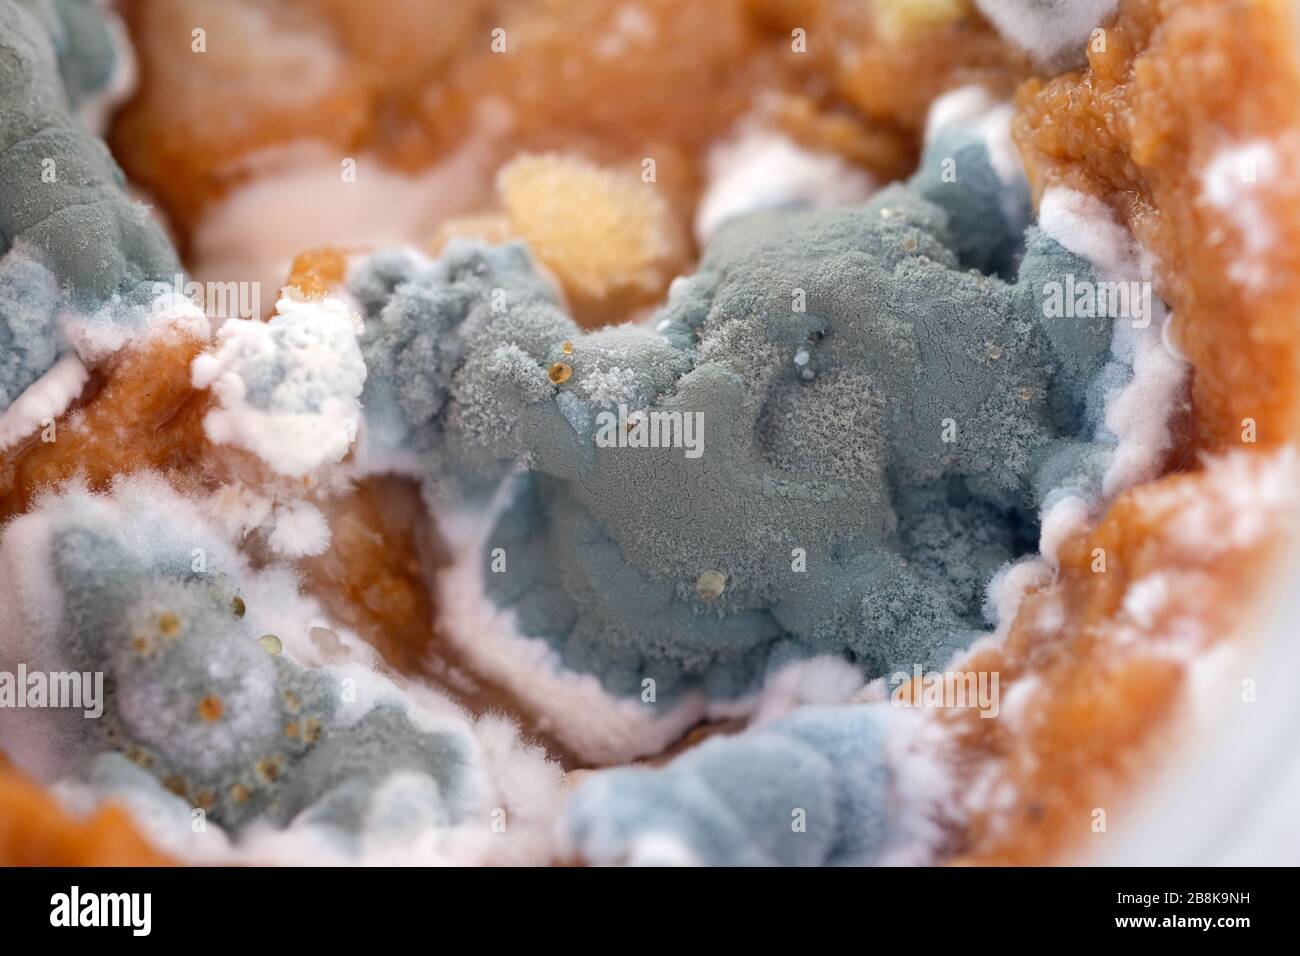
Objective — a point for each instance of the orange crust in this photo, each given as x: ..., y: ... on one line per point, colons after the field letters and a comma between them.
x: 1176, y: 83
x: 36, y: 831
x: 139, y: 411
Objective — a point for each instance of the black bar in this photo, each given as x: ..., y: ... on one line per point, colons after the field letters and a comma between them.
x: 262, y: 906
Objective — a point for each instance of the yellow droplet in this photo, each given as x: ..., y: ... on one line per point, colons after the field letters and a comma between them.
x: 237, y: 606
x: 710, y: 585
x: 566, y: 348
x: 560, y: 373
x: 271, y: 644
x: 169, y: 624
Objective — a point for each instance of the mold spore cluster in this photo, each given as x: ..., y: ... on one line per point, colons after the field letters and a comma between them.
x: 884, y: 409
x: 134, y: 585
x: 79, y: 258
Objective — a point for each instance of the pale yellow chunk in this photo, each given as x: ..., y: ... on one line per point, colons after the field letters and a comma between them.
x: 604, y: 234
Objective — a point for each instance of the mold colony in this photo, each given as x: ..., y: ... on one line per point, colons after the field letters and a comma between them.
x: 607, y: 546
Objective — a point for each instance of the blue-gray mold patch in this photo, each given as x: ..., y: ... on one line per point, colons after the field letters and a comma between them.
x: 62, y: 197
x: 29, y: 303
x: 808, y: 790
x: 193, y: 698
x: 883, y: 417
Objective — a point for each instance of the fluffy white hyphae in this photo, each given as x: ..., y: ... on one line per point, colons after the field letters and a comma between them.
x: 288, y: 389
x: 760, y: 169
x: 1049, y: 29
x: 609, y: 387
x: 1235, y: 182
x: 300, y: 529
x: 43, y: 400
x: 1139, y: 414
